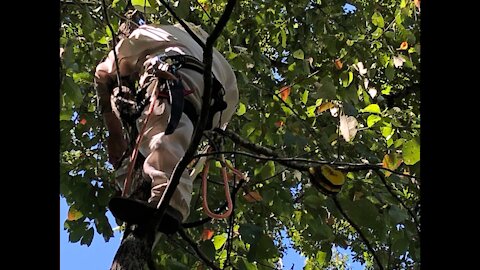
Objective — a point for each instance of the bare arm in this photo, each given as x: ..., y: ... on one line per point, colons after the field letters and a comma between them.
x: 116, y: 143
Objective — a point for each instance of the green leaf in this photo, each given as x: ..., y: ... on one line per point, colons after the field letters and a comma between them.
x: 72, y: 91
x: 298, y: 54
x: 245, y: 265
x: 268, y: 170
x: 397, y: 215
x: 263, y: 249
x: 219, y: 240
x: 346, y: 78
x: 363, y: 212
x: 87, y: 238
x: 284, y: 38
x: 399, y: 142
x: 153, y: 3
x: 377, y: 20
x: 326, y: 88
x: 66, y: 115
x: 304, y: 98
x: 249, y: 232
x: 183, y: 8
x: 372, y: 119
x: 141, y: 3
x: 377, y: 33
x: 389, y: 72
x: 320, y: 258
x: 372, y: 108
x: 208, y: 249
x: 387, y: 131
x: 400, y: 243
x: 242, y: 109
x: 411, y: 152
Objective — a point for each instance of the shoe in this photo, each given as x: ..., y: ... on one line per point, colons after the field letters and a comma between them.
x: 140, y: 212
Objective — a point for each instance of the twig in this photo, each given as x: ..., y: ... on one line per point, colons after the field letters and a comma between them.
x: 357, y: 228
x: 200, y: 253
x: 105, y: 14
x: 382, y: 178
x: 206, y: 12
x: 185, y: 26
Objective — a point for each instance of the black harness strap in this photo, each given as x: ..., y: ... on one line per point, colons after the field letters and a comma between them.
x: 190, y: 62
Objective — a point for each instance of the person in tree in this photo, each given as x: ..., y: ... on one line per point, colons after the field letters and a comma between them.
x: 166, y: 60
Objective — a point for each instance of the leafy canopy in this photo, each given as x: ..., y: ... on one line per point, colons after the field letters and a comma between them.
x: 302, y: 66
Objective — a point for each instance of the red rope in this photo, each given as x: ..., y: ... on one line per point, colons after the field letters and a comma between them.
x: 133, y: 157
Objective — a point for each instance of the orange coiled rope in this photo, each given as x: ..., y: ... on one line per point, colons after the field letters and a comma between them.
x: 225, y: 188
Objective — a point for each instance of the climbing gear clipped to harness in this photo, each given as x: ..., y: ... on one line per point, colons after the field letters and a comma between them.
x: 179, y: 61
x: 131, y: 105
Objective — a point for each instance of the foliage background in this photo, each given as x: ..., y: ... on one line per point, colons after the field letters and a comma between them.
x: 299, y: 65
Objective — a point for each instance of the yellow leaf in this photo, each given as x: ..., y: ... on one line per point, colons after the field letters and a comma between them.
x: 335, y: 177
x: 74, y: 214
x: 285, y: 92
x: 253, y: 196
x: 325, y: 106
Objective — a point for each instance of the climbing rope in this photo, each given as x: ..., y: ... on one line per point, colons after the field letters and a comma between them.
x: 225, y: 187
x: 133, y: 157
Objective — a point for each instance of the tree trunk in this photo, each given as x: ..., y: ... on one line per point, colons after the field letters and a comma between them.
x: 134, y: 252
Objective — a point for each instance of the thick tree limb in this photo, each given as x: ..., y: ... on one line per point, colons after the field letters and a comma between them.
x: 357, y: 228
x: 202, y: 121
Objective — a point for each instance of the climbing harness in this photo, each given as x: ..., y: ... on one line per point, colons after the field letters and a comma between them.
x: 175, y: 92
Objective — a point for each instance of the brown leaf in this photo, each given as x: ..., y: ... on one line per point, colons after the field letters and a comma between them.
x: 207, y: 234
x: 253, y: 196
x: 325, y: 106
x: 338, y: 64
x: 285, y: 92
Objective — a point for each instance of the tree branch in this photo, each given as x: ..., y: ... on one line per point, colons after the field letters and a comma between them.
x: 105, y: 14
x: 185, y: 26
x: 202, y: 121
x: 269, y: 154
x: 357, y: 228
x: 382, y: 178
x: 200, y: 254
